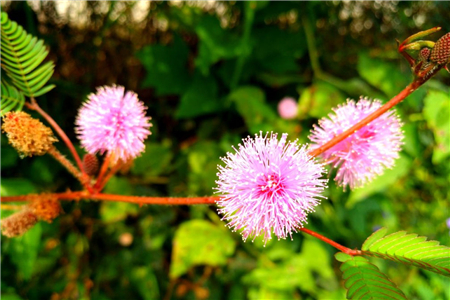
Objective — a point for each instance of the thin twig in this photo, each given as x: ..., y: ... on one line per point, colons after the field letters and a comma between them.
x: 332, y: 243
x: 34, y: 106
x: 394, y: 101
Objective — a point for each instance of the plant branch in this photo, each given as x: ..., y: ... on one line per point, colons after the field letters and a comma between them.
x: 394, y: 101
x: 120, y: 198
x: 34, y: 106
x: 332, y: 243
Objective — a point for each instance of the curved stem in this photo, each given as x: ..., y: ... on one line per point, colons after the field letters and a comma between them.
x: 114, y: 170
x: 394, y: 101
x: 34, y: 106
x: 332, y: 243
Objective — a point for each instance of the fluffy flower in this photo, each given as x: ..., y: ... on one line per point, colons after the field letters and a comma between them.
x: 113, y: 121
x: 268, y: 185
x: 287, y: 108
x: 367, y: 152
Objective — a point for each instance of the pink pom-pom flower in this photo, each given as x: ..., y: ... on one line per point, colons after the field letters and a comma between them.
x: 287, y: 108
x: 269, y: 185
x: 367, y: 152
x: 113, y: 121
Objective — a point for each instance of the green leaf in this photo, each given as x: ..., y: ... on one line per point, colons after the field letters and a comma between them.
x: 215, y: 44
x: 154, y: 161
x: 198, y: 242
x: 318, y: 100
x: 203, y: 158
x: 11, y: 98
x: 409, y: 249
x: 250, y: 103
x: 16, y: 186
x: 295, y: 270
x: 437, y: 114
x: 145, y: 282
x: 25, y: 249
x: 278, y: 50
x: 22, y: 56
x: 363, y: 280
x: 381, y: 74
x: 166, y: 66
x: 200, y: 98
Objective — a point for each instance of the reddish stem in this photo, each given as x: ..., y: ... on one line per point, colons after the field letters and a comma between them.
x: 332, y: 243
x: 102, y: 172
x: 394, y: 101
x: 121, y: 198
x: 34, y: 106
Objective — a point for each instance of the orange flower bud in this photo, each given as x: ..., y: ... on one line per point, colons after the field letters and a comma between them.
x: 26, y: 134
x: 18, y: 223
x: 45, y: 207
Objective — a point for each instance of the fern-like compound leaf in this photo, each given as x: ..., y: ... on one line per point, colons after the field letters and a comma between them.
x: 409, y: 249
x: 11, y: 98
x: 22, y: 56
x: 363, y: 280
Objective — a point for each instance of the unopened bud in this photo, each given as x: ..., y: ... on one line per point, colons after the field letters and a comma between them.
x: 26, y: 134
x: 45, y: 207
x: 441, y: 51
x: 90, y: 164
x: 18, y: 223
x: 424, y: 54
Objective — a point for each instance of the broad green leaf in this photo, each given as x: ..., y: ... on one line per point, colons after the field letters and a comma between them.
x: 24, y: 251
x: 295, y: 270
x: 363, y: 280
x: 437, y: 115
x: 166, y: 66
x: 409, y: 249
x: 22, y: 57
x: 199, y: 242
x: 145, y: 282
x: 200, y: 98
x: 215, y: 44
x: 250, y: 103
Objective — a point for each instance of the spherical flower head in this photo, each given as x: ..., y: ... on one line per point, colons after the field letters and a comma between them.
x: 367, y: 152
x: 287, y: 108
x: 113, y: 121
x: 268, y: 185
x: 26, y: 134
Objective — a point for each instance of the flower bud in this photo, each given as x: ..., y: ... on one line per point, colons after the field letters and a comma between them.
x: 45, y: 207
x: 26, y: 134
x: 90, y: 164
x: 18, y: 223
x: 441, y: 51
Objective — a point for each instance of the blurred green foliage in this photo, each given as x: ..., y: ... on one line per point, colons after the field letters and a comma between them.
x: 211, y: 74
